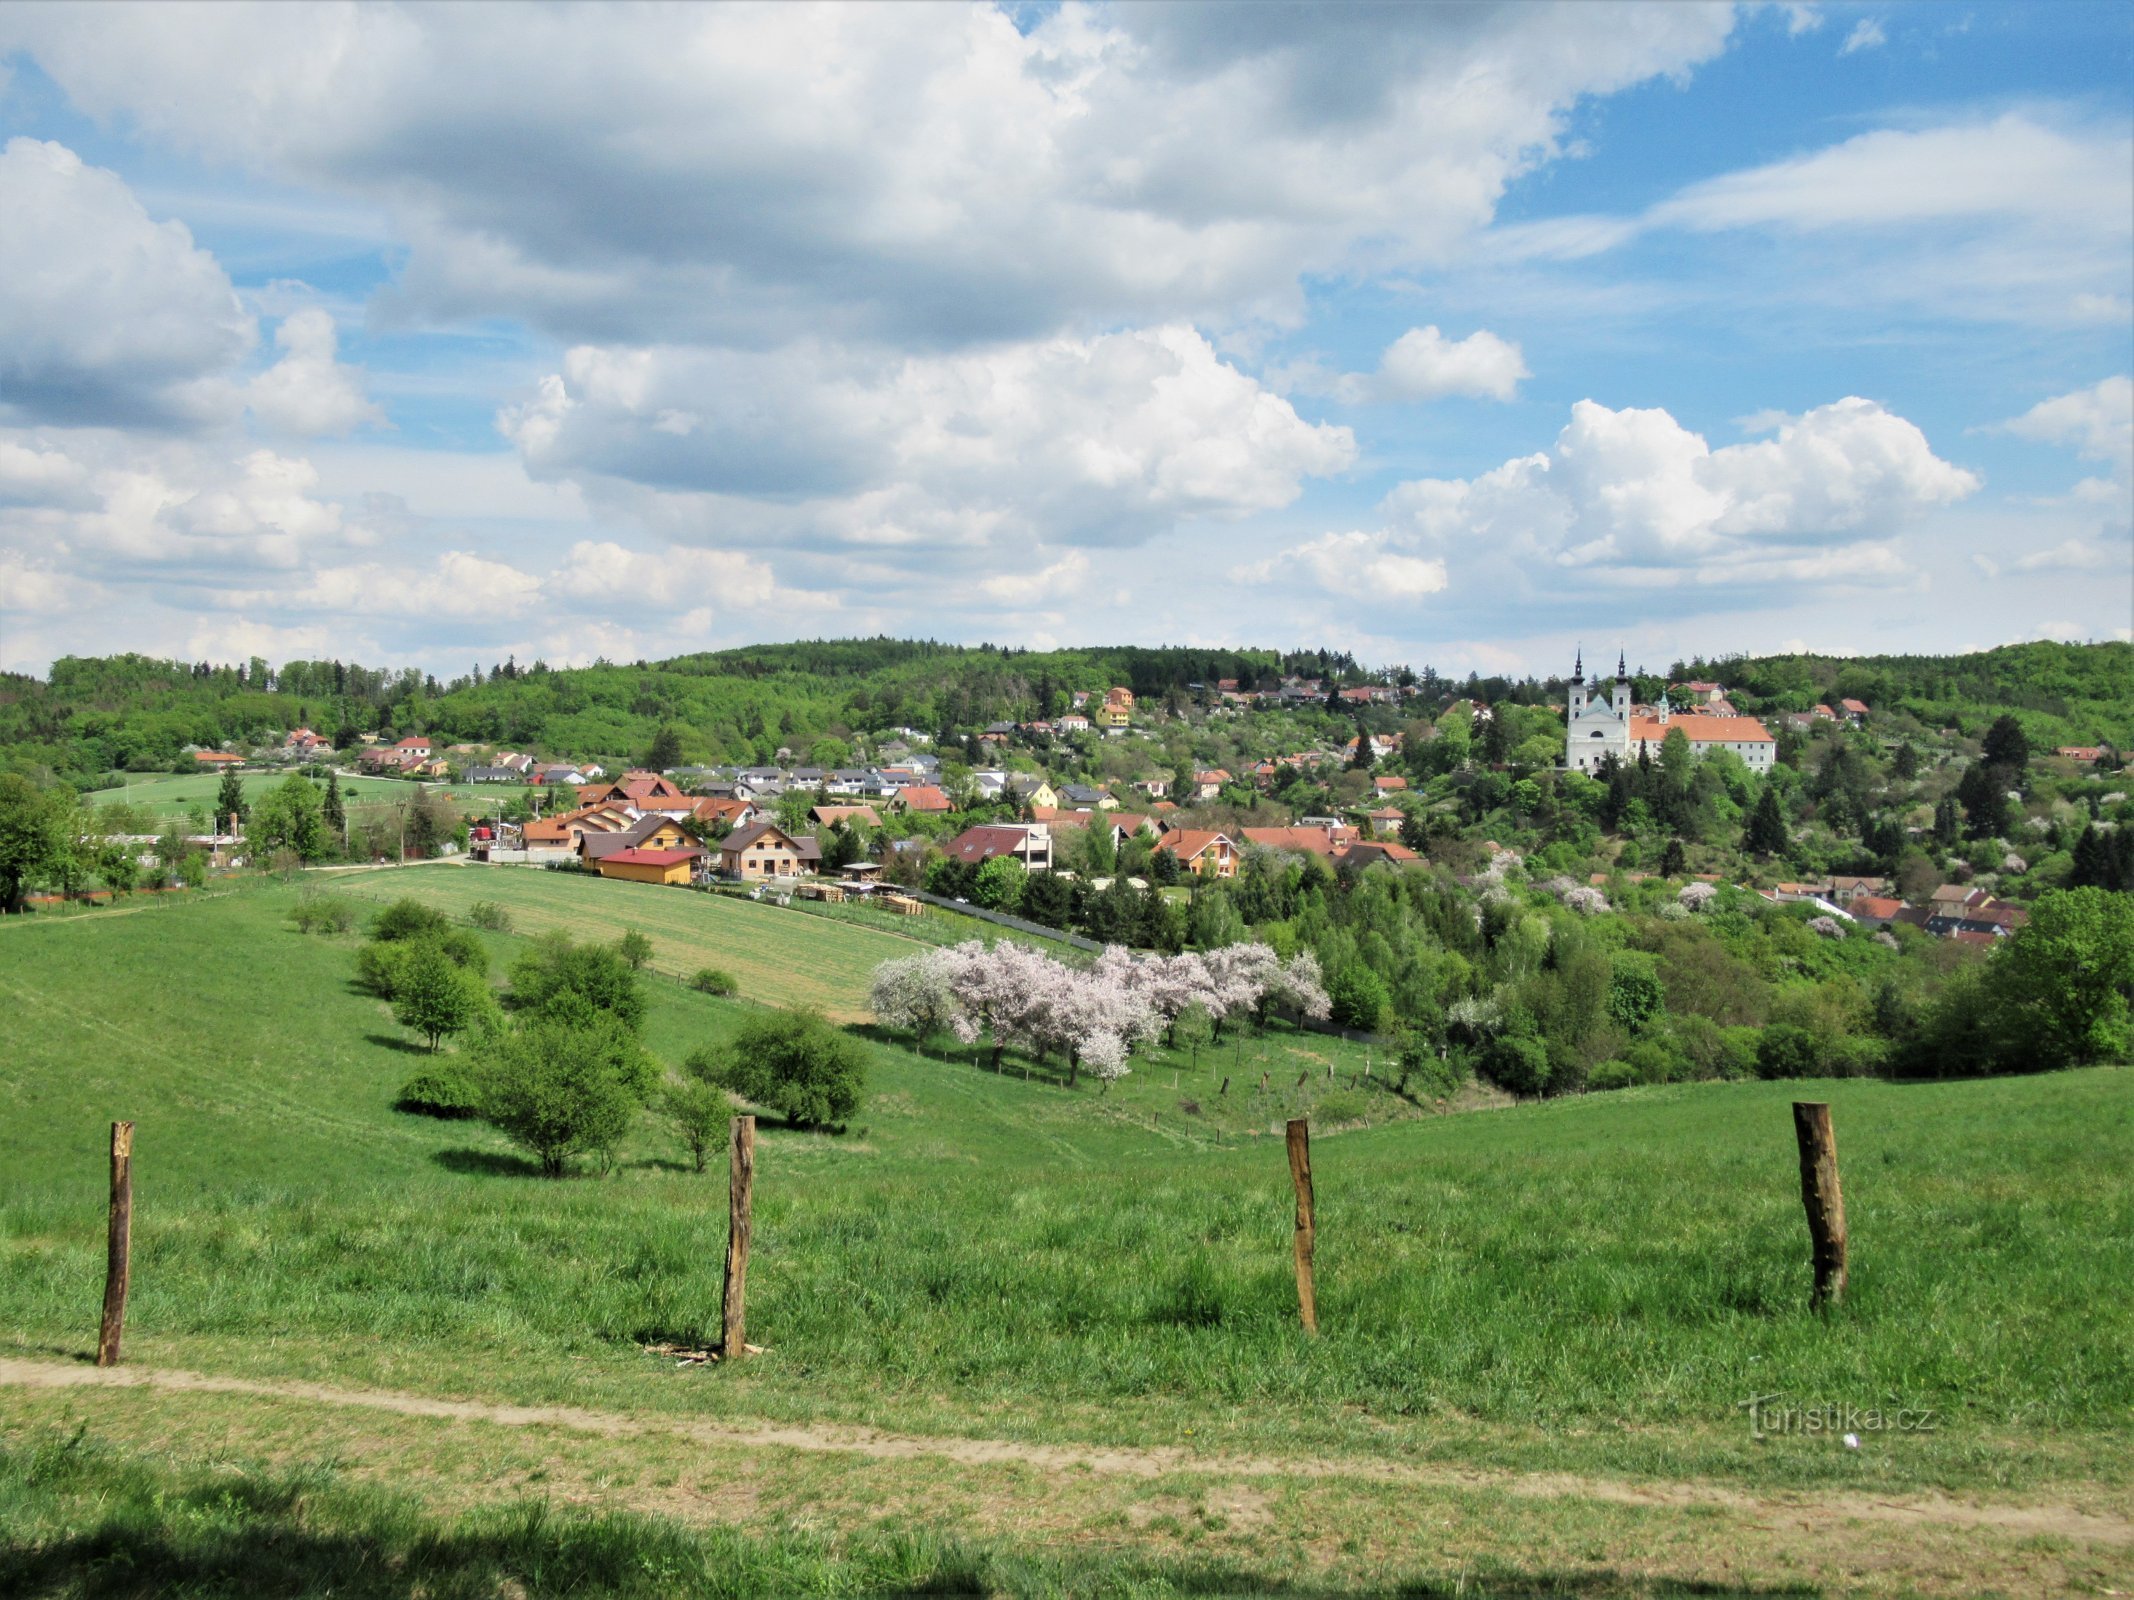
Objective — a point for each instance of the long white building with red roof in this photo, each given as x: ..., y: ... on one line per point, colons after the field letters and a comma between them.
x: 1604, y: 722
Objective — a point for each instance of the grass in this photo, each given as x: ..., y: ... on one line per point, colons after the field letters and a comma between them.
x: 285, y: 1502
x: 1604, y: 1278
x: 173, y: 796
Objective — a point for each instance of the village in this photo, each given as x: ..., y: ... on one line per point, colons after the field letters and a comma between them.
x: 923, y: 814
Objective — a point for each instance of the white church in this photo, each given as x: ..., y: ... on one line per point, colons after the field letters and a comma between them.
x: 1604, y: 722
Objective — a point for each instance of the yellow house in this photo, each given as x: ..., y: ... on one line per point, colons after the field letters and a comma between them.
x: 650, y: 866
x: 1117, y: 710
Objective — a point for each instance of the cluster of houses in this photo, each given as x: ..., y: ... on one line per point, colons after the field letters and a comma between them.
x: 1964, y: 913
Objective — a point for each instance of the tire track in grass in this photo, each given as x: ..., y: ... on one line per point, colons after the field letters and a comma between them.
x: 1925, y: 1511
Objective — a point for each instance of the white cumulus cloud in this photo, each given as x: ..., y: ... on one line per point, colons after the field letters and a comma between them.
x: 2097, y: 423
x: 308, y: 391
x: 107, y: 316
x: 1422, y: 364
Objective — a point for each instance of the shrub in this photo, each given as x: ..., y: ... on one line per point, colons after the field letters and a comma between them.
x: 1425, y: 1073
x: 713, y: 980
x: 488, y: 915
x: 576, y: 981
x: 792, y: 1062
x: 1341, y: 1105
x: 1787, y: 1052
x: 380, y: 965
x: 406, y: 919
x: 447, y: 1091
x: 1614, y: 1075
x: 634, y: 948
x: 698, y: 1111
x: 1516, y: 1062
x: 324, y: 913
x: 560, y: 1087
x: 1358, y: 995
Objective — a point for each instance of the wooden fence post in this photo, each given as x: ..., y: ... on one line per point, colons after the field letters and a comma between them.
x: 1300, y: 1172
x: 118, y: 1261
x: 741, y: 1179
x: 1822, y: 1198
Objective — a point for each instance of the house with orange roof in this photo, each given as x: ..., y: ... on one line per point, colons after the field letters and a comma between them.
x: 1207, y: 785
x: 831, y: 816
x: 1203, y: 853
x: 922, y: 797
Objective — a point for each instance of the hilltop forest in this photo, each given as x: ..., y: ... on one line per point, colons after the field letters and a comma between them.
x: 129, y: 713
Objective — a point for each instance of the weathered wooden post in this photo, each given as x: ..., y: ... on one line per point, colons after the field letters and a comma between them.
x: 1300, y: 1172
x: 741, y: 1179
x: 1822, y: 1198
x: 118, y: 1259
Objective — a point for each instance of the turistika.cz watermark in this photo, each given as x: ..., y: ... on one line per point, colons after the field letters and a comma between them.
x: 1773, y: 1415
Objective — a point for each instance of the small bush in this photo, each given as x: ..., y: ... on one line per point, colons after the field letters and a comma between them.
x: 448, y: 1092
x: 324, y: 913
x: 1613, y: 1075
x: 489, y: 916
x: 406, y: 919
x: 1516, y: 1063
x: 1341, y: 1105
x: 792, y: 1062
x: 713, y: 980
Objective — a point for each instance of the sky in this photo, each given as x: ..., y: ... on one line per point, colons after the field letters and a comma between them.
x: 1450, y: 335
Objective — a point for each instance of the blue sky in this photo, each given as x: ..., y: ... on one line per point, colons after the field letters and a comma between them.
x: 1446, y: 335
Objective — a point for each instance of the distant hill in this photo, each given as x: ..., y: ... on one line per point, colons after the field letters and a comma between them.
x: 94, y: 715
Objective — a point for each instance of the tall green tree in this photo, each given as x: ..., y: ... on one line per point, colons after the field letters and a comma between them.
x: 2068, y: 976
x: 289, y: 817
x: 435, y: 995
x: 333, y: 811
x: 34, y: 839
x: 1766, y: 833
x: 230, y: 800
x: 665, y: 750
x: 2006, y: 745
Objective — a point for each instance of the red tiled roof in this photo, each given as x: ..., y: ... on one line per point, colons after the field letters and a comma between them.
x: 982, y: 843
x: 1697, y: 728
x: 1186, y: 843
x: 923, y: 797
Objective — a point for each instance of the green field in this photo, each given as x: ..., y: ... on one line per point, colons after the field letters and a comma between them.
x: 1581, y: 1287
x: 174, y: 796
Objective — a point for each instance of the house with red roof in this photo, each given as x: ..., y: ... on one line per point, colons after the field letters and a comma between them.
x: 1027, y: 842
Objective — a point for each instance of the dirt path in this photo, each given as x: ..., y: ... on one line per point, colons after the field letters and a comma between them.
x: 1922, y: 1510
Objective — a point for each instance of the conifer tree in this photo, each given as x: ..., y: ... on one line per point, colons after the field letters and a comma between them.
x: 1766, y: 833
x: 230, y: 800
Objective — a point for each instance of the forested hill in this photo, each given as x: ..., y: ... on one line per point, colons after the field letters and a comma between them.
x: 129, y: 712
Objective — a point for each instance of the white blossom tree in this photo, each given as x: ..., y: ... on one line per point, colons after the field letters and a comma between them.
x: 916, y: 994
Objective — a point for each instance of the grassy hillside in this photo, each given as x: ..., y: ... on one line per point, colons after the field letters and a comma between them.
x: 1595, y: 1279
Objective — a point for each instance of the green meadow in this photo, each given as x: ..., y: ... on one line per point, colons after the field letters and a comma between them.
x: 174, y: 796
x: 1589, y: 1285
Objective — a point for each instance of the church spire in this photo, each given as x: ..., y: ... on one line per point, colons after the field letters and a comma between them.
x: 1622, y: 672
x: 1578, y: 673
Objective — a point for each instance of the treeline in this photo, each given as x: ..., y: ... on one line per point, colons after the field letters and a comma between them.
x: 132, y: 713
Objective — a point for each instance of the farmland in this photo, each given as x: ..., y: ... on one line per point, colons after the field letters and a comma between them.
x: 1573, y: 1288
